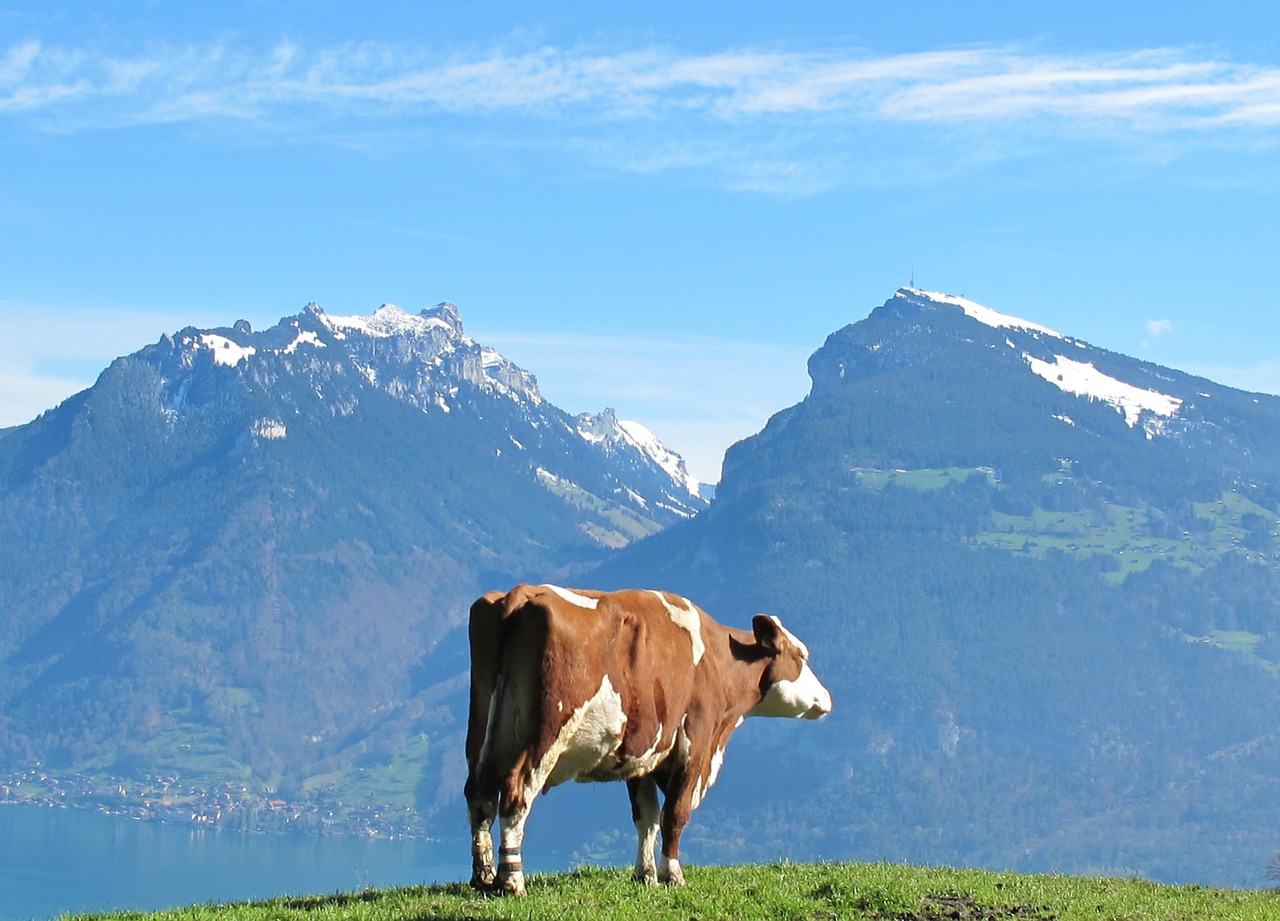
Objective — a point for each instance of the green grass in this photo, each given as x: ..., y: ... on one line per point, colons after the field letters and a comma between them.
x: 1122, y: 533
x: 925, y: 478
x: 1240, y: 642
x: 805, y: 892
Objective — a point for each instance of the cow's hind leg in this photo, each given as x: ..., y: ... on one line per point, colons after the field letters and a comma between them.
x: 482, y: 808
x: 484, y: 634
x: 645, y: 813
x: 516, y: 801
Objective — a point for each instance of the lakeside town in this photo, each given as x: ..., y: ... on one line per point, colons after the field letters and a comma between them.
x: 166, y: 798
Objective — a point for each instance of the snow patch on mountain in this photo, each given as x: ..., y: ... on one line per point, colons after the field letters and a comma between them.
x: 980, y: 312
x: 269, y: 429
x: 304, y: 337
x: 667, y: 460
x: 1084, y: 380
x: 385, y: 322
x: 225, y: 351
x: 607, y: 431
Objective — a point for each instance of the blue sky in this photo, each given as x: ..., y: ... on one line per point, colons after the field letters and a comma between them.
x: 659, y: 207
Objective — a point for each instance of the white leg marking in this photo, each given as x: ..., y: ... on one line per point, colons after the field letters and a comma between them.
x: 669, y: 872
x: 647, y: 822
x: 510, y: 861
x: 688, y: 619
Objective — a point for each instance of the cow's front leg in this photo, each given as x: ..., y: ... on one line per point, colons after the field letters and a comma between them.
x: 645, y: 814
x: 676, y: 809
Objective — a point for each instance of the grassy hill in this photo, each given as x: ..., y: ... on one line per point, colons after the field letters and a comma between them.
x: 810, y: 892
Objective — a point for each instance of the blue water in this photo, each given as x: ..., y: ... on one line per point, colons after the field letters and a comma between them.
x: 54, y: 861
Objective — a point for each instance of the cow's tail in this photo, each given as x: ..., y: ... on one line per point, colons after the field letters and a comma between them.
x: 484, y: 634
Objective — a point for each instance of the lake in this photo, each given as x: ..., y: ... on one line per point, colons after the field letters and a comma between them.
x: 67, y: 860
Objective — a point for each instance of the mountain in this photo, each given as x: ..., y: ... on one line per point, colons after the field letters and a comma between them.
x: 1042, y: 581
x: 241, y: 558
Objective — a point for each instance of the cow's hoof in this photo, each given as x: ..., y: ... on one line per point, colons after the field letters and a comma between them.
x: 672, y: 875
x: 512, y: 884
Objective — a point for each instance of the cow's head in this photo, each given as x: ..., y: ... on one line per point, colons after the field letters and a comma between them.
x: 788, y: 687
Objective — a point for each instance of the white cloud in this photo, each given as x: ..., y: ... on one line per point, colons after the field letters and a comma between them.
x: 1154, y: 90
x: 791, y: 123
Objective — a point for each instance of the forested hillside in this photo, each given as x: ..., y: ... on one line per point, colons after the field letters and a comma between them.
x: 1051, y: 624
x: 232, y: 567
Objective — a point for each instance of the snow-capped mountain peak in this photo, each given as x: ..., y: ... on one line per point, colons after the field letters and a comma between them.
x: 610, y: 432
x: 389, y: 321
x: 1041, y: 348
x: 976, y: 311
x: 341, y: 364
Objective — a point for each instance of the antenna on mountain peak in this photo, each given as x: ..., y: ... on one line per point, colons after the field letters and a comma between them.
x: 913, y: 277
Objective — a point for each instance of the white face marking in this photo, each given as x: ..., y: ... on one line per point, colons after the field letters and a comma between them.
x: 805, y: 696
x: 688, y: 619
x: 572, y: 597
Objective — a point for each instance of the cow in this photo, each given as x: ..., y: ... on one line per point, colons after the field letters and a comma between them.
x: 639, y: 686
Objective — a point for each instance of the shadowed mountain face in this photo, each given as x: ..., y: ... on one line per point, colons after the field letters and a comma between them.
x: 234, y: 559
x: 1041, y: 581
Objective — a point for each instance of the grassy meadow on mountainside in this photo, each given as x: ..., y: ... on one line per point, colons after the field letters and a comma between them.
x: 813, y: 892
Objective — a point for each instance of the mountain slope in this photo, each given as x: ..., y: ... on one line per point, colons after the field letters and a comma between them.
x: 234, y: 558
x: 1041, y: 581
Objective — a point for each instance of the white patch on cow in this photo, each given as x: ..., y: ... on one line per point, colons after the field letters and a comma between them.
x: 717, y: 762
x: 688, y: 619
x: 591, y: 734
x: 804, y: 696
x: 646, y: 763
x: 572, y: 597
x: 701, y: 789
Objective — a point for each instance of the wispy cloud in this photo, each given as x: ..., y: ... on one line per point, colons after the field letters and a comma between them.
x: 707, y: 102
x: 1156, y: 329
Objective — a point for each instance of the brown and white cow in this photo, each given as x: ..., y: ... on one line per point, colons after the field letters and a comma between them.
x: 641, y: 686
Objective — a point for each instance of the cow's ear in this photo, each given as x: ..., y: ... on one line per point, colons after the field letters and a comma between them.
x: 766, y: 631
